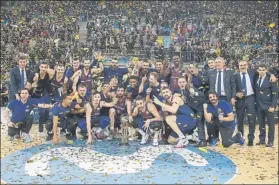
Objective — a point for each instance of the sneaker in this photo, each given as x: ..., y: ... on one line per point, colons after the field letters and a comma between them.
x: 241, y: 139
x: 49, y: 137
x: 156, y: 139
x: 182, y: 142
x: 144, y: 139
x: 195, y: 136
x: 213, y: 142
x: 202, y: 143
x: 26, y: 137
x: 41, y: 134
x: 269, y: 144
x: 110, y: 137
x: 17, y: 136
x: 11, y: 138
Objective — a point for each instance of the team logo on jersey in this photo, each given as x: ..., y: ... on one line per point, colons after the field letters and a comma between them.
x: 107, y: 163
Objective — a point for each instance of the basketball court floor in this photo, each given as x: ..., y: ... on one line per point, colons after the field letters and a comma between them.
x: 105, y: 162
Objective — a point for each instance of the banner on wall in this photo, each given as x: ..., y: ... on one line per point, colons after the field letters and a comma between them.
x: 167, y: 41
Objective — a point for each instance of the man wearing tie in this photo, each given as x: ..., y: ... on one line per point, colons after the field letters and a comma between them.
x: 222, y: 81
x: 245, y: 99
x: 266, y: 98
x: 18, y: 78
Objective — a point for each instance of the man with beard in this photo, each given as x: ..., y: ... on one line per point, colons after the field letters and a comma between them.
x: 133, y: 88
x: 197, y: 101
x: 178, y: 116
x: 147, y: 117
x: 123, y: 106
x: 70, y: 72
x: 151, y: 88
x: 111, y: 92
x: 189, y: 93
x: 85, y: 75
x: 176, y: 71
x: 58, y: 82
x: 245, y: 88
x: 205, y: 76
x: 79, y: 100
x: 162, y: 71
x: 220, y: 118
x: 115, y: 70
x: 145, y: 70
x: 21, y: 120
x: 39, y: 84
x: 94, y: 124
x: 58, y: 117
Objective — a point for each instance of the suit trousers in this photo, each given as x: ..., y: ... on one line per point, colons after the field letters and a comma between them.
x: 262, y: 115
x: 246, y: 104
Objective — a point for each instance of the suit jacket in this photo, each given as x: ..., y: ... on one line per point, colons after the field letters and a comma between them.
x: 14, y: 85
x: 253, y: 75
x: 267, y: 94
x: 228, y: 80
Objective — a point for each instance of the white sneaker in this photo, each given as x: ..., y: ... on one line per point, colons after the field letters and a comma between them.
x: 26, y: 137
x: 144, y: 139
x: 195, y: 136
x: 156, y: 138
x: 182, y: 142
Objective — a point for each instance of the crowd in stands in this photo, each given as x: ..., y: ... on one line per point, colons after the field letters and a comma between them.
x: 44, y: 38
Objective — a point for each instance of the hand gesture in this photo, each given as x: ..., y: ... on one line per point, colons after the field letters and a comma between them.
x: 146, y: 125
x: 148, y: 91
x: 11, y: 124
x: 55, y: 140
x: 144, y: 79
x: 36, y: 77
x: 192, y: 91
x: 205, y: 106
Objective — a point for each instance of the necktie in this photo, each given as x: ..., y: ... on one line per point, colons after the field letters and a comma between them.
x: 219, y: 84
x: 244, y: 83
x: 22, y: 79
x: 260, y: 81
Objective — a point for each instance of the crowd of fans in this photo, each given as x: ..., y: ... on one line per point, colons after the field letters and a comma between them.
x: 47, y: 35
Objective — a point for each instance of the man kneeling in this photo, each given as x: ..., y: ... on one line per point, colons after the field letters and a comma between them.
x: 95, y: 123
x: 178, y: 116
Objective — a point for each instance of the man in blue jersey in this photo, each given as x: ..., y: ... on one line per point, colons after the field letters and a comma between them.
x: 21, y: 120
x: 178, y: 116
x: 59, y: 117
x: 219, y: 116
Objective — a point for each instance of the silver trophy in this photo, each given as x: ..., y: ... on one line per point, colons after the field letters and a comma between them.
x: 124, y: 128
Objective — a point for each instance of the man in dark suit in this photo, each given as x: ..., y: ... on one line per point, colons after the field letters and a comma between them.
x: 18, y: 78
x: 222, y: 81
x: 245, y: 98
x: 266, y: 98
x: 205, y: 76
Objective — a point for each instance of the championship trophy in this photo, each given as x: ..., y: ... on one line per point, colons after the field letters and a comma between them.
x: 124, y: 120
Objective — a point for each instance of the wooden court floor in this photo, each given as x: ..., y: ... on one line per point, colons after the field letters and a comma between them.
x: 256, y: 165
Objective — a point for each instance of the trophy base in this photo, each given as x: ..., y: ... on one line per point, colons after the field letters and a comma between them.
x: 123, y: 144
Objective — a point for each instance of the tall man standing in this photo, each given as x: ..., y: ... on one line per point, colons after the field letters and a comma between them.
x: 245, y: 99
x: 266, y: 98
x: 223, y: 82
x: 18, y: 78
